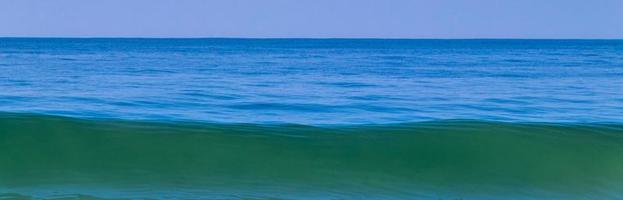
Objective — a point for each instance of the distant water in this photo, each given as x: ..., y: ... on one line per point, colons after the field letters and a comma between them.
x: 314, y: 81
x: 310, y: 119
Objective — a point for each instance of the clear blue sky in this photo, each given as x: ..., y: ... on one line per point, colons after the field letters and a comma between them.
x: 314, y: 18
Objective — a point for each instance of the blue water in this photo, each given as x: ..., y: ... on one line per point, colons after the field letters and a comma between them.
x: 310, y: 119
x: 314, y: 81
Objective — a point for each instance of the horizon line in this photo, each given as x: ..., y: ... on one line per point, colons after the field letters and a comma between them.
x: 298, y: 38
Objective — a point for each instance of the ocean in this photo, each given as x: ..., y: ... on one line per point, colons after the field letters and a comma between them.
x: 103, y: 118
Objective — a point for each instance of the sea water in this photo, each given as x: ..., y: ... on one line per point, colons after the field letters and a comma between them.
x: 311, y: 118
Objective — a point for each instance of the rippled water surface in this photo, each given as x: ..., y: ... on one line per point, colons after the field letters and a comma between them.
x: 314, y: 81
x: 310, y: 119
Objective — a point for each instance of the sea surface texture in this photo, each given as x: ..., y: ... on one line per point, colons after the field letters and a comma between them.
x: 310, y: 119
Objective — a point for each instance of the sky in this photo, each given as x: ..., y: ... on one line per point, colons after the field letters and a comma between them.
x: 313, y: 18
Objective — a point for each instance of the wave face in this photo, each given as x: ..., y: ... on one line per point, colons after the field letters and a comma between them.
x: 57, y: 157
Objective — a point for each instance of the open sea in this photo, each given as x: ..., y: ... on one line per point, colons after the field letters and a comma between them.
x: 310, y: 119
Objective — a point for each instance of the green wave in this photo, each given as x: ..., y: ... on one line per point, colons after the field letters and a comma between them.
x: 50, y: 157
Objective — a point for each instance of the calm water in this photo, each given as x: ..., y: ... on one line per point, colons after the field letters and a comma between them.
x: 314, y: 81
x: 311, y: 119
